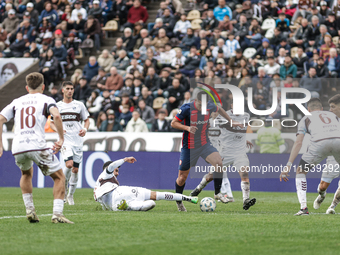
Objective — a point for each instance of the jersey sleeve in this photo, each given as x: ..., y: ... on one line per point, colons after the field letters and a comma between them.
x: 212, y: 107
x: 50, y: 104
x: 183, y: 112
x: 84, y: 114
x: 9, y: 111
x: 302, y: 127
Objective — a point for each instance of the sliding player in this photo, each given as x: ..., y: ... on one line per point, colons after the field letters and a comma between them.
x: 72, y: 113
x: 30, y: 113
x: 196, y: 144
x: 113, y: 197
x: 324, y: 128
x: 232, y: 148
x: 332, y: 171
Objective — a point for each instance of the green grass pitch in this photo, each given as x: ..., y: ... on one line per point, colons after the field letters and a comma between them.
x: 269, y: 227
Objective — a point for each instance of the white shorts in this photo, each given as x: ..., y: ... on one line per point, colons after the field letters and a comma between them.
x: 72, y: 152
x: 331, y: 171
x: 237, y: 162
x: 45, y: 160
x: 129, y: 194
x: 318, y: 151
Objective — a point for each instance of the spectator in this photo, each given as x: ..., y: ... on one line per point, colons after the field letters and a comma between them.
x: 232, y: 45
x: 324, y: 49
x: 49, y: 14
x: 262, y: 77
x: 210, y: 22
x: 27, y: 30
x: 94, y: 103
x: 320, y: 40
x: 136, y: 124
x: 283, y: 44
x: 101, y: 117
x: 176, y: 95
x: 181, y: 27
x: 288, y: 68
x: 261, y: 95
x: 183, y: 80
x: 188, y: 41
x: 91, y: 69
x: 163, y: 6
x: 178, y: 61
x: 299, y: 38
x: 134, y: 66
x: 276, y: 39
x: 78, y: 9
x: 3, y: 38
x: 191, y: 63
x: 144, y: 48
x: 262, y: 50
x: 17, y: 48
x: 145, y: 95
x: 83, y: 91
x: 60, y: 53
x: 163, y: 83
x: 114, y: 82
x: 282, y: 56
x: 157, y: 26
x: 332, y: 24
x: 32, y: 52
x: 313, y: 31
x: 221, y: 10
x: 122, y: 62
x: 272, y: 67
x: 128, y: 40
x: 116, y: 48
x: 299, y: 60
x: 10, y: 23
x: 55, y: 94
x: 107, y: 102
x: 220, y: 46
x: 146, y: 112
x: 98, y: 81
x: 160, y: 40
x: 79, y: 26
x: 76, y: 77
x: 119, y: 10
x: 96, y: 11
x: 105, y: 60
x: 282, y: 23
x: 49, y: 66
x: 137, y: 13
x: 333, y: 65
x: 241, y: 30
x: 226, y: 24
x: 312, y: 83
x: 323, y: 73
x: 151, y: 79
x: 93, y: 30
x: 160, y: 124
x: 142, y: 35
x: 187, y: 98
x: 110, y: 124
x: 32, y: 13
x: 253, y: 39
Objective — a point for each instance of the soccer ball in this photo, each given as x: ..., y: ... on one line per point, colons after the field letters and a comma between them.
x: 208, y: 204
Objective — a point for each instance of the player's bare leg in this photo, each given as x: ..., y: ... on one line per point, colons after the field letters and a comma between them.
x: 301, y: 190
x: 322, y: 194
x: 58, y: 194
x: 335, y: 202
x: 180, y: 184
x: 245, y: 187
x: 27, y: 189
x: 72, y: 185
x: 67, y: 173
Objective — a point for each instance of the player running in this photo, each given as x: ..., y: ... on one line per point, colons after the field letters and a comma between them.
x: 231, y: 143
x: 30, y: 113
x: 324, y: 128
x: 196, y: 143
x: 72, y: 113
x: 113, y: 197
x: 332, y: 170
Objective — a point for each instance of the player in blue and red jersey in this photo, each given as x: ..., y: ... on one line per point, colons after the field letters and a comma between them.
x: 196, y: 143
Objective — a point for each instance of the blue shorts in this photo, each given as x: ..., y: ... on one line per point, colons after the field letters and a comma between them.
x: 189, y: 157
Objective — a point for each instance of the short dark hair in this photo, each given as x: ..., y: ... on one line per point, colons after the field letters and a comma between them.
x: 314, y: 103
x: 200, y: 94
x: 334, y: 99
x: 106, y: 164
x: 34, y: 80
x: 238, y: 50
x: 67, y: 83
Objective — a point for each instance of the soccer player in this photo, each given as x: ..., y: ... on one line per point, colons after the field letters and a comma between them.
x: 324, y: 128
x: 196, y: 143
x: 30, y: 113
x: 72, y: 113
x: 231, y: 144
x: 113, y: 197
x: 332, y: 170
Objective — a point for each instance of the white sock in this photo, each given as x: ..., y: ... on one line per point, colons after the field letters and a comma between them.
x: 28, y: 200
x: 141, y: 205
x: 171, y: 196
x: 226, y: 188
x: 321, y: 192
x: 58, y: 206
x: 67, y: 173
x: 203, y: 182
x: 301, y: 189
x: 336, y: 198
x: 73, y: 183
x: 245, y: 187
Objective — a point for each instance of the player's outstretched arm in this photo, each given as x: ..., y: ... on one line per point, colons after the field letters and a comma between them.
x: 59, y: 126
x: 2, y: 121
x: 118, y: 163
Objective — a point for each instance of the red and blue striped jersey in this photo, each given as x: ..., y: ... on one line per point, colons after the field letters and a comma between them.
x: 191, y: 116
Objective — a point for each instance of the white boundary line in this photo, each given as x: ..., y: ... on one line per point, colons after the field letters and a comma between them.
x: 24, y: 216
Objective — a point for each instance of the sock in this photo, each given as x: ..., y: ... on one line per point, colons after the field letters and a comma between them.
x: 321, y: 192
x: 28, y: 200
x: 336, y: 198
x: 217, y: 182
x: 141, y: 205
x: 171, y: 196
x: 73, y: 183
x: 67, y: 172
x: 226, y: 188
x: 245, y: 187
x: 301, y: 189
x: 58, y: 206
x: 179, y: 189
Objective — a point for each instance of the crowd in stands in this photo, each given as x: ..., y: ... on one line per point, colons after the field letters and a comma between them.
x: 138, y: 84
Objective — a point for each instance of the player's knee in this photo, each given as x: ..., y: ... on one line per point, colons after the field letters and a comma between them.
x: 323, y: 186
x: 181, y: 180
x: 69, y: 164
